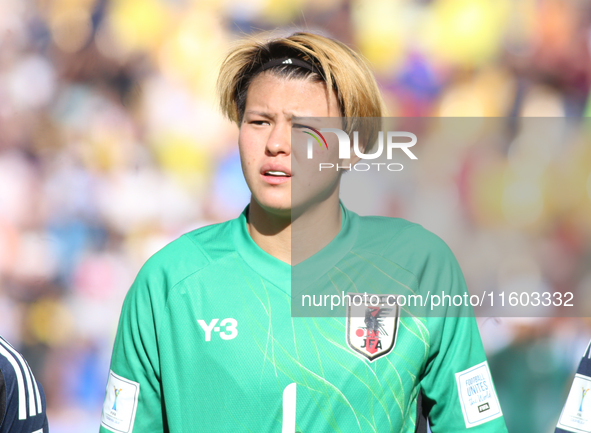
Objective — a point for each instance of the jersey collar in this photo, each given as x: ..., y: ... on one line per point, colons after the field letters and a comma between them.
x: 314, y: 267
x: 298, y: 277
x: 270, y: 268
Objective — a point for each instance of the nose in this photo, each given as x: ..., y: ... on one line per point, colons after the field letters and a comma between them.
x: 279, y: 140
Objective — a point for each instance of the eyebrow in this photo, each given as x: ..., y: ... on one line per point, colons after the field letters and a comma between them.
x: 271, y: 116
x: 259, y: 113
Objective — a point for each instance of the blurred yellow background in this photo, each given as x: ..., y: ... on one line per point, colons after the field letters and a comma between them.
x: 111, y: 145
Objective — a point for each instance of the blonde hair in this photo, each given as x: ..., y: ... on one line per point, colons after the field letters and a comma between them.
x: 341, y: 68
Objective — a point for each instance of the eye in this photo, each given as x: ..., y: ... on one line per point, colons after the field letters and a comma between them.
x: 259, y: 122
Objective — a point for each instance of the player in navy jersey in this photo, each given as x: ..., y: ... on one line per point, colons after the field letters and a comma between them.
x: 576, y: 414
x: 22, y: 401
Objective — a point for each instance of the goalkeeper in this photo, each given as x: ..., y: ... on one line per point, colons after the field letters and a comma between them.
x: 206, y: 341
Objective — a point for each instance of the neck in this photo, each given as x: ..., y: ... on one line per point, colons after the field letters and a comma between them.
x: 313, y: 229
x: 269, y: 231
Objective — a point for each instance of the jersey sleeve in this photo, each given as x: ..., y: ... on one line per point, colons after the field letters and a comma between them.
x: 133, y: 400
x: 133, y: 397
x: 457, y: 387
x: 577, y: 401
x: 457, y: 383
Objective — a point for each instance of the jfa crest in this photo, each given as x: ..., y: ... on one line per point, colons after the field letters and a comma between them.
x: 372, y: 325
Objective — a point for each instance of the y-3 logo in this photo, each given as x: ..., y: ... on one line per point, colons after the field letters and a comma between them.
x: 229, y: 325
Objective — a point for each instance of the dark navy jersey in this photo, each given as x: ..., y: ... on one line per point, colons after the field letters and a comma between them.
x: 576, y: 414
x: 22, y: 401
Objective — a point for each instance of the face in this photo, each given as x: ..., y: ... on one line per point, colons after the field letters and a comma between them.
x: 272, y: 167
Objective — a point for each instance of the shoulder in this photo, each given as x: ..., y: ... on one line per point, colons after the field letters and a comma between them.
x: 409, y: 247
x: 22, y: 401
x: 183, y: 257
x: 396, y: 235
x: 12, y: 368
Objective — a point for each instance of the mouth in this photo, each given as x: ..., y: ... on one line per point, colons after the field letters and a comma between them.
x: 275, y: 174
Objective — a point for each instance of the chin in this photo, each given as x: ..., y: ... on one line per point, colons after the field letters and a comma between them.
x: 275, y: 206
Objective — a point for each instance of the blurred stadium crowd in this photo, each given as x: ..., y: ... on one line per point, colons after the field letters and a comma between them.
x: 111, y: 145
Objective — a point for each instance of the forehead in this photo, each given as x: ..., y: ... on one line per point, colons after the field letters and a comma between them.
x: 300, y: 97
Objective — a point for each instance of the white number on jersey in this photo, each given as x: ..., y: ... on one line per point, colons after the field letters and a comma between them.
x: 289, y: 409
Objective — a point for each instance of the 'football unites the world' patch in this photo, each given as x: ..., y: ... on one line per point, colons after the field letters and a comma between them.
x: 477, y: 395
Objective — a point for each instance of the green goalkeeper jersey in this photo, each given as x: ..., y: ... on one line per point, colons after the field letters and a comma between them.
x: 206, y: 341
